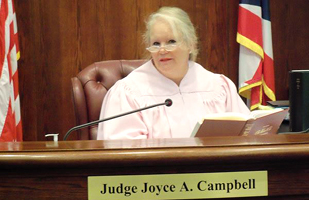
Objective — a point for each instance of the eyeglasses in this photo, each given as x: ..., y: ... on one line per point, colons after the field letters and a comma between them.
x: 156, y: 48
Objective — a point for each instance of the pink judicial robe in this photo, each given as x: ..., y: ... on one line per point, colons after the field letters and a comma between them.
x: 200, y: 92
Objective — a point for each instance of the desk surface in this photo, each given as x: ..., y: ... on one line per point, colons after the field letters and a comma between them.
x: 37, y: 146
x: 117, y: 151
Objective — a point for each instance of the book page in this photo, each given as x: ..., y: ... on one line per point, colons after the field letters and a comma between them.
x: 228, y: 116
x: 261, y: 113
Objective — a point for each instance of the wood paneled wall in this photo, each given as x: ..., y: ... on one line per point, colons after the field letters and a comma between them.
x: 59, y: 38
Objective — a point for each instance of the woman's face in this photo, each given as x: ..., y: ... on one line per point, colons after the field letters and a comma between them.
x: 172, y: 64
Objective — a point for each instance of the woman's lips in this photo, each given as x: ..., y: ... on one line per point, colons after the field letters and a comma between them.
x: 165, y: 59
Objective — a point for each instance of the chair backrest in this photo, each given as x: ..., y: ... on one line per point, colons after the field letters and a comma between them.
x: 90, y: 87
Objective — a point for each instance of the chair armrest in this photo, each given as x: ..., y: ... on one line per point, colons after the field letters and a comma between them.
x: 80, y: 108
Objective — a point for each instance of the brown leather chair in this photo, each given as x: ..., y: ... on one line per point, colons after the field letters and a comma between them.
x: 90, y: 87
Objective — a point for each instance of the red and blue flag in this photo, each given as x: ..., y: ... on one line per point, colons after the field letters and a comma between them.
x: 256, y: 66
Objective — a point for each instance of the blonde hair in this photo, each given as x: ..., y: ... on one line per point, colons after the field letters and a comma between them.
x: 181, y: 26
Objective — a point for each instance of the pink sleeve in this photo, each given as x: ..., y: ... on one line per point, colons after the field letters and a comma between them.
x: 234, y: 102
x: 118, y: 100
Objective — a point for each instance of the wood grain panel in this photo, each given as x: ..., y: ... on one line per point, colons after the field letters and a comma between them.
x: 59, y: 38
x: 59, y: 170
x: 290, y: 40
x: 232, y: 45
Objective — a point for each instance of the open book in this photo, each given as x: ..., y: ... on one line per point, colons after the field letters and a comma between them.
x: 259, y: 122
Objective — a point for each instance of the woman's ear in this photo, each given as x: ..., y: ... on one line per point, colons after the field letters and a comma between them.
x: 191, y: 49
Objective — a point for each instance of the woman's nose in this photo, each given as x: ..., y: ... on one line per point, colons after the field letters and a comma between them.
x: 162, y: 50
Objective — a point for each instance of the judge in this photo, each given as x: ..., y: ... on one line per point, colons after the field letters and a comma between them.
x: 170, y: 73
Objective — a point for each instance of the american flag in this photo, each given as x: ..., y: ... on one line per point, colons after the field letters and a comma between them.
x: 256, y: 66
x: 10, y: 119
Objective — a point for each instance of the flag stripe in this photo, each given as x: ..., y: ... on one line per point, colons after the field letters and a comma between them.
x: 269, y: 81
x: 267, y: 40
x: 3, y: 17
x: 9, y: 131
x: 251, y: 2
x: 268, y: 70
x: 17, y: 110
x: 15, y: 85
x: 250, y: 44
x: 250, y: 25
x: 250, y: 31
x: 249, y: 62
x: 256, y: 10
x: 265, y: 10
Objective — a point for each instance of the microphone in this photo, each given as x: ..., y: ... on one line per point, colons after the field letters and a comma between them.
x: 168, y: 103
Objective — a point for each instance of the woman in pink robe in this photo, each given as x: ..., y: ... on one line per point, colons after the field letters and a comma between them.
x: 171, y: 73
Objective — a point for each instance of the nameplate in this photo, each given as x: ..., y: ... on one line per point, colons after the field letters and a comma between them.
x: 178, y: 186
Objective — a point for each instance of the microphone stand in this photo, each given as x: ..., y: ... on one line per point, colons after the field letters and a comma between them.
x: 167, y: 102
